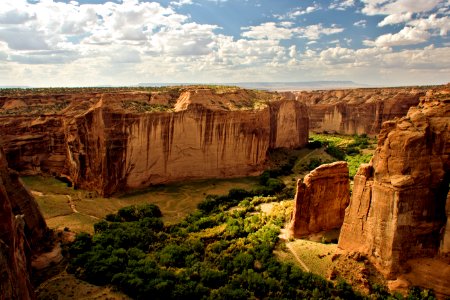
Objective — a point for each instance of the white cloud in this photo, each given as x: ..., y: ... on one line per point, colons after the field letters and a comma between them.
x: 181, y: 2
x: 341, y: 5
x: 313, y: 32
x: 58, y: 43
x: 337, y: 55
x: 293, y: 14
x: 269, y: 30
x: 395, y: 19
x: 284, y: 30
x: 187, y: 39
x: 441, y: 25
x: 406, y: 36
x: 389, y: 7
x: 292, y: 51
x: 360, y: 23
x: 23, y: 39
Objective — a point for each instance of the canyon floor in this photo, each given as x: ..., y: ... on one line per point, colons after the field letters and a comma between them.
x: 77, y: 211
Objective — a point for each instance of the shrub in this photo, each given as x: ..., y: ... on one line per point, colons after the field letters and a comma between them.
x: 336, y: 152
x: 314, y: 145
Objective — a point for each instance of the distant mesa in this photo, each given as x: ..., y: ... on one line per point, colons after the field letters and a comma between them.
x: 277, y: 86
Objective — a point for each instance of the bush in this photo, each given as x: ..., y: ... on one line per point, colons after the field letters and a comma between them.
x: 314, y: 145
x: 336, y: 152
x: 313, y: 163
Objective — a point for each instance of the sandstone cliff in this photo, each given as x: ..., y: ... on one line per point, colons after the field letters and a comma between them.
x: 357, y: 111
x: 22, y: 228
x: 321, y: 200
x: 398, y: 207
x: 109, y: 142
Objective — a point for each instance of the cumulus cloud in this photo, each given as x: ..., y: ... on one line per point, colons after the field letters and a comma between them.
x: 285, y: 30
x: 441, y: 25
x: 181, y: 2
x: 389, y: 7
x: 116, y: 42
x: 23, y: 39
x: 269, y: 30
x: 395, y: 19
x: 360, y: 23
x: 293, y: 14
x: 406, y: 36
x: 313, y: 32
x: 341, y: 5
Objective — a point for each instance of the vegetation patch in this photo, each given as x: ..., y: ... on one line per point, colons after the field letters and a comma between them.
x: 355, y: 150
x: 144, y: 107
x: 176, y: 201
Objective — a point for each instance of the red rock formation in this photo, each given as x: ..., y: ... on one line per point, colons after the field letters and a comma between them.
x: 321, y: 199
x: 111, y: 150
x: 111, y: 142
x: 22, y: 227
x: 397, y: 210
x: 357, y: 111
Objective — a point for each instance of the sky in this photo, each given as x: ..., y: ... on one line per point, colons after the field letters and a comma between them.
x: 126, y: 42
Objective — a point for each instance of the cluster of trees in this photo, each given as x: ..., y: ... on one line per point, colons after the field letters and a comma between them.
x: 223, y: 250
x: 222, y: 254
x: 350, y: 152
x: 225, y: 254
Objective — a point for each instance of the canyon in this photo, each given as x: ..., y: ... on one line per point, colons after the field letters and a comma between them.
x: 111, y: 142
x: 399, y: 206
x: 357, y: 111
x: 22, y: 232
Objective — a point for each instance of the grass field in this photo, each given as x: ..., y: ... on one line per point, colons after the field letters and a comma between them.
x: 174, y: 200
x: 66, y: 286
x: 316, y: 256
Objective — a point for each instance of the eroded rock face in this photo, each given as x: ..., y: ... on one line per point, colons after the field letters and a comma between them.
x: 22, y: 228
x: 398, y: 207
x: 321, y: 200
x: 111, y: 150
x: 118, y: 141
x: 357, y: 111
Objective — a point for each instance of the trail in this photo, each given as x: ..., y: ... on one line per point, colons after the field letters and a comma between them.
x: 71, y: 204
x: 289, y: 246
x: 284, y: 236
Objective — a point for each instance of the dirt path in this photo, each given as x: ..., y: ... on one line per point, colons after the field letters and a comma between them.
x: 71, y: 204
x: 300, y: 261
x: 284, y: 236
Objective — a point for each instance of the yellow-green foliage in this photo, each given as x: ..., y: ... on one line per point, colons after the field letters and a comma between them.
x: 355, y: 161
x: 348, y: 148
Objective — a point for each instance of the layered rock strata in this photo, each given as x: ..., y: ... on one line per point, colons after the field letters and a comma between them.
x: 115, y: 141
x: 22, y: 229
x: 321, y: 200
x: 357, y: 111
x: 398, y: 207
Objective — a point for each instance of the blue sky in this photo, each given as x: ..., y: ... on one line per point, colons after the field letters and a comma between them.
x: 125, y: 42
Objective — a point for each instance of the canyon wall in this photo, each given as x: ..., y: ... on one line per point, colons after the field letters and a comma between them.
x: 111, y: 150
x: 398, y: 207
x: 321, y: 199
x: 357, y: 111
x: 22, y: 228
x: 111, y: 142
